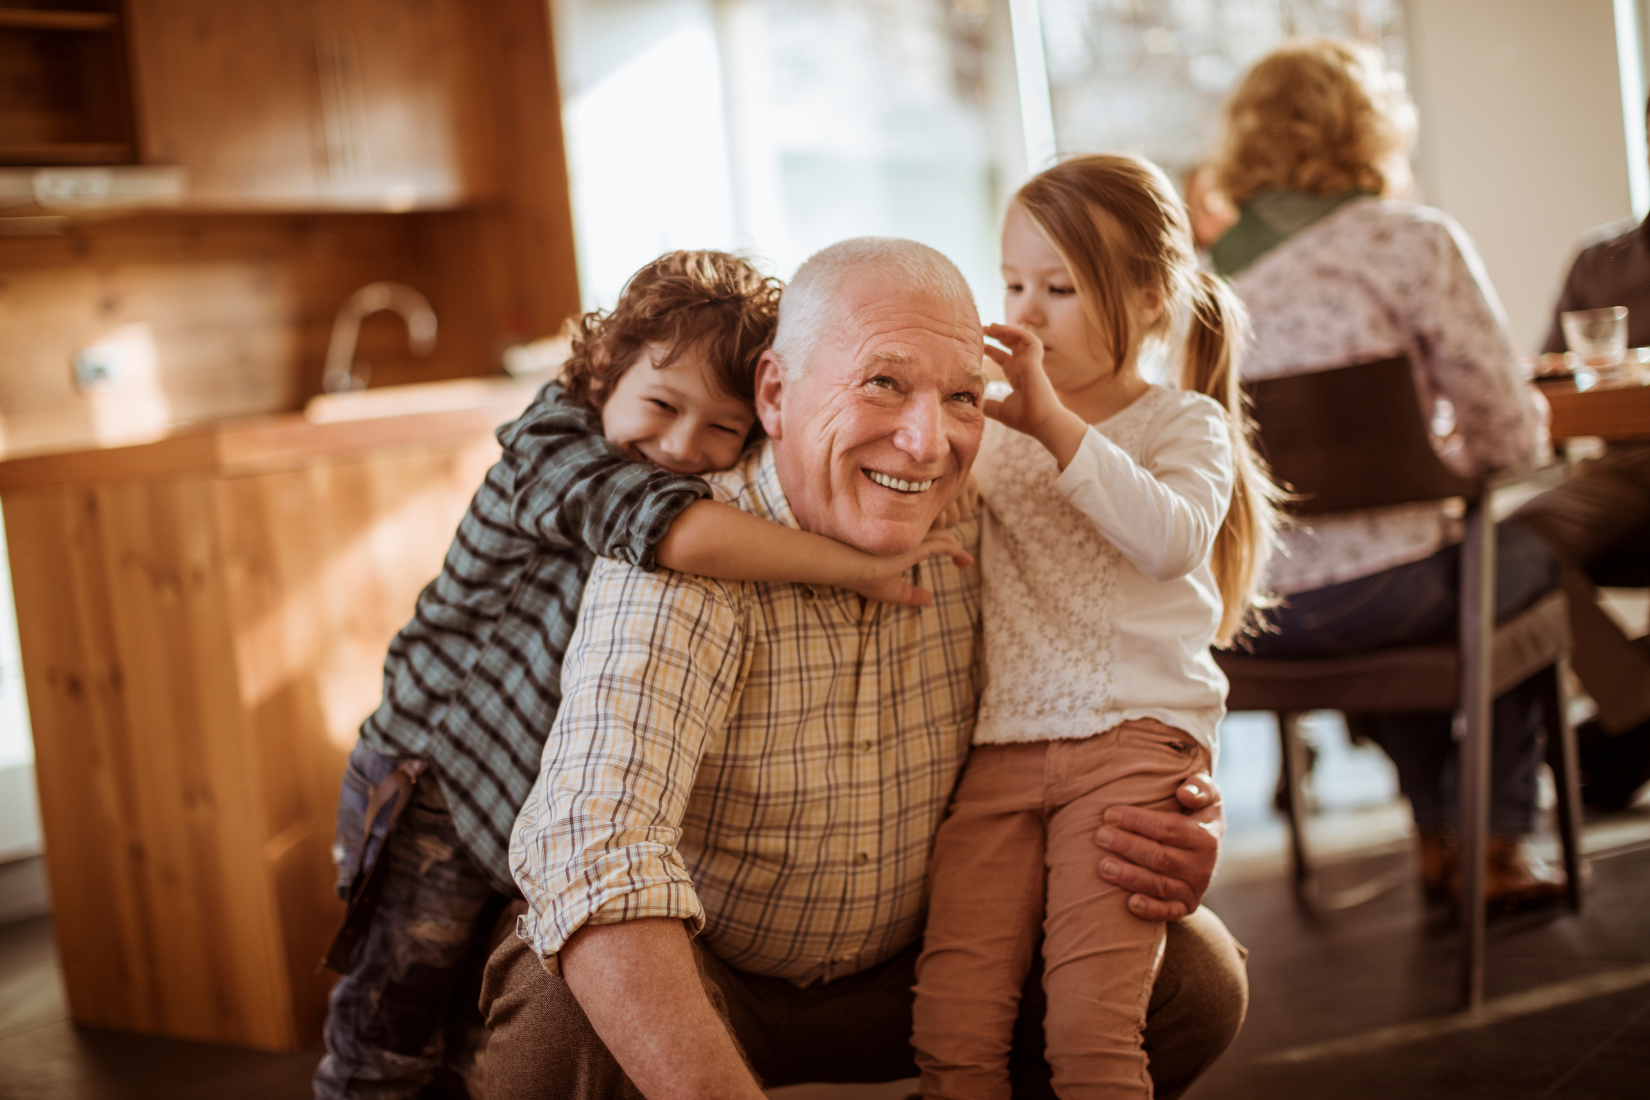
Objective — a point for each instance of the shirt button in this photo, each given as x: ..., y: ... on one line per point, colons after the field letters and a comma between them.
x: 866, y: 745
x: 808, y: 593
x: 863, y: 857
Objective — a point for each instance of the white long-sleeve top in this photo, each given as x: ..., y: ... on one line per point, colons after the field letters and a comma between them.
x: 1380, y: 278
x: 1099, y: 601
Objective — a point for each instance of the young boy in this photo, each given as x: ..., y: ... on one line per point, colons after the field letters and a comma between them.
x: 656, y: 392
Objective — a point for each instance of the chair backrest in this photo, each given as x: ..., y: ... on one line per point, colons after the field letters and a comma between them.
x: 1349, y: 438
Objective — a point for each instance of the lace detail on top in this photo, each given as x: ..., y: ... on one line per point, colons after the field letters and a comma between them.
x: 1043, y: 558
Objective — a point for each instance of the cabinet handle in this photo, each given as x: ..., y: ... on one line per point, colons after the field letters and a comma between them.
x: 343, y: 120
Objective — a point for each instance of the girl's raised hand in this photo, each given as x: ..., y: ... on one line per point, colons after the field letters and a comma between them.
x: 1033, y: 401
x: 1033, y: 408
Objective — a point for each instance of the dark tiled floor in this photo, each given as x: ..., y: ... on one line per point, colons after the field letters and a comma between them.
x: 1361, y: 1004
x: 43, y: 1055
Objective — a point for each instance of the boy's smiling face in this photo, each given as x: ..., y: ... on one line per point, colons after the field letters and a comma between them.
x: 676, y: 417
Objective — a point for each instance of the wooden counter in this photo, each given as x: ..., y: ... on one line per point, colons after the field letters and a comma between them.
x: 203, y: 622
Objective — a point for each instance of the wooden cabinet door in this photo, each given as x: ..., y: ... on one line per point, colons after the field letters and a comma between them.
x: 402, y: 102
x: 314, y: 104
x: 229, y: 91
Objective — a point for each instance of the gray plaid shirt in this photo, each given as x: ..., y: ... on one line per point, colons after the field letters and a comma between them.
x: 472, y: 684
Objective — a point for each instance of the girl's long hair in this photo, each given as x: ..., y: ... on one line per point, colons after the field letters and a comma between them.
x: 1124, y: 233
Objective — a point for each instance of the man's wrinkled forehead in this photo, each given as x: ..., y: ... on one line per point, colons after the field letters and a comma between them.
x: 913, y: 328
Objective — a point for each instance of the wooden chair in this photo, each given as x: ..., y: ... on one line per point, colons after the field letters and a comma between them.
x: 1354, y: 438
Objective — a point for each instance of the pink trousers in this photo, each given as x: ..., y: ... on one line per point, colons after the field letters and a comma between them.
x: 1015, y: 857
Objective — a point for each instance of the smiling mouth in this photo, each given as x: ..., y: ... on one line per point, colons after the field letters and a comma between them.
x: 899, y: 485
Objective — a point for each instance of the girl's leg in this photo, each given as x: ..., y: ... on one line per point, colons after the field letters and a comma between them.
x: 1100, y: 960
x: 985, y: 901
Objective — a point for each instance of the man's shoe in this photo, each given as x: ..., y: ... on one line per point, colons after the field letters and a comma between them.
x: 1515, y: 879
x: 1613, y: 768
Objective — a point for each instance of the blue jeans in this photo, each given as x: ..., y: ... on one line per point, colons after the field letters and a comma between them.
x: 1419, y: 602
x: 399, y: 1022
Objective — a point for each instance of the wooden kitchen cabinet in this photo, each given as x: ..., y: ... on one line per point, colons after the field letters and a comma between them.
x: 316, y: 104
x: 203, y: 623
x: 64, y: 91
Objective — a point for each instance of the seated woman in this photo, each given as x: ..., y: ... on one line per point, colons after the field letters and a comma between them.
x: 1335, y: 271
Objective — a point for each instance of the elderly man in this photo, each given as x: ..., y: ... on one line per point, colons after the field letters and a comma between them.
x: 724, y: 853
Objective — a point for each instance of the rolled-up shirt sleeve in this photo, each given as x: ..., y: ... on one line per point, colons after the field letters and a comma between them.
x: 648, y: 683
x: 570, y: 486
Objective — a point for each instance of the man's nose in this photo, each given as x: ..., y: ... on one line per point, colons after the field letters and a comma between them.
x: 921, y: 432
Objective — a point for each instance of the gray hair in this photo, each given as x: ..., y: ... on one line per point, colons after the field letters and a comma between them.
x: 806, y: 309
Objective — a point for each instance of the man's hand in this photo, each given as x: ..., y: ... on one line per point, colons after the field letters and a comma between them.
x: 1166, y: 859
x: 884, y: 577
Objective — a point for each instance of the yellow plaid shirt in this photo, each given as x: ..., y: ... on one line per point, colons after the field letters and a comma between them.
x: 767, y: 762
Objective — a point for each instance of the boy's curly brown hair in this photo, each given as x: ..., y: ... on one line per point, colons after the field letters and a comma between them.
x: 713, y: 301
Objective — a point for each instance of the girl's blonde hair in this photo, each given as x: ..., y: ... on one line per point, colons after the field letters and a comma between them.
x: 1124, y: 234
x: 1319, y: 115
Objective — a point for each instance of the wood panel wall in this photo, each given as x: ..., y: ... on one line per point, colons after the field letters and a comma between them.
x: 239, y: 305
x: 239, y: 309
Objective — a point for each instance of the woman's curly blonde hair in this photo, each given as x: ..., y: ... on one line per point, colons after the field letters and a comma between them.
x: 1319, y: 115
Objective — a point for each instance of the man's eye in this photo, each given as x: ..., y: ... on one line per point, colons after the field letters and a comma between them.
x: 966, y: 397
x: 883, y: 381
x: 669, y: 408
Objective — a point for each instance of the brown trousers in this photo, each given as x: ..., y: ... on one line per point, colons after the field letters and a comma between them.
x: 1014, y: 861
x: 854, y: 1029
x: 1598, y: 523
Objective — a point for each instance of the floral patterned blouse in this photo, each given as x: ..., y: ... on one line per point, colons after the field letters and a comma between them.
x: 1376, y: 279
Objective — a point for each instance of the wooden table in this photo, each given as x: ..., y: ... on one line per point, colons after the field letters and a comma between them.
x: 203, y: 622
x: 1619, y: 413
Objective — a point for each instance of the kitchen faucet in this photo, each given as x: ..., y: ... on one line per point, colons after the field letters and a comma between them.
x: 341, y: 375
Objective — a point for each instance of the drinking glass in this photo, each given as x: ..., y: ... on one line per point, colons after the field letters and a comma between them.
x: 1599, y: 337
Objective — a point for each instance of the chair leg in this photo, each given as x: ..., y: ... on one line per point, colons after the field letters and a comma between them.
x: 1562, y: 758
x: 1292, y: 751
x: 1477, y: 632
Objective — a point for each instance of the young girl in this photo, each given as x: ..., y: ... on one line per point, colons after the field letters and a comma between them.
x: 1124, y: 530
x: 656, y: 392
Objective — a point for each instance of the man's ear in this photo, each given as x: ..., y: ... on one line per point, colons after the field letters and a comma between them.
x: 770, y: 392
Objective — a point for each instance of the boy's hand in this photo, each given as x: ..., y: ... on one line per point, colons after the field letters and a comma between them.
x: 961, y: 508
x: 884, y: 578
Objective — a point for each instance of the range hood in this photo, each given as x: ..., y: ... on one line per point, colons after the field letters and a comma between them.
x: 26, y: 192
